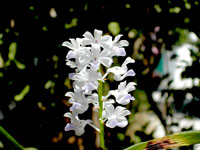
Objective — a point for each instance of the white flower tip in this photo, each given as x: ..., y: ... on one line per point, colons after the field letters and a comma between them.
x: 67, y: 115
x: 130, y: 60
x: 130, y: 73
x: 65, y: 44
x: 122, y: 52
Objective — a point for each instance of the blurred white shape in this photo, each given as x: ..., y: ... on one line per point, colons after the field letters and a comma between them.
x: 174, y: 63
x: 156, y: 96
x: 188, y: 98
x: 193, y: 37
x: 175, y: 129
x: 196, y: 81
x: 196, y: 124
x: 159, y: 132
x: 197, y: 147
x: 185, y: 123
x: 53, y: 13
x: 12, y: 105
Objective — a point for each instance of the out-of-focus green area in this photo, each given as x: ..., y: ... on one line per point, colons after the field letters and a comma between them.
x: 163, y: 39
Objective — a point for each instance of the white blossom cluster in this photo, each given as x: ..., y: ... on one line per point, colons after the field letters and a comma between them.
x: 86, y: 55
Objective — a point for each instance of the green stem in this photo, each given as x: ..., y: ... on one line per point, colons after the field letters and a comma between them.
x: 101, y: 123
x: 9, y: 141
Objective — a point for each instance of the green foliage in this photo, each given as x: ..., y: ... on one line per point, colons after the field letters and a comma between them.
x: 114, y: 28
x: 21, y: 95
x: 171, y: 141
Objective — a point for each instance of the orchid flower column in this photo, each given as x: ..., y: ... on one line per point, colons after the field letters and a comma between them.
x: 87, y: 55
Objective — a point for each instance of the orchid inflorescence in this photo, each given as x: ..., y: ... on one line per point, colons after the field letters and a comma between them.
x: 87, y: 55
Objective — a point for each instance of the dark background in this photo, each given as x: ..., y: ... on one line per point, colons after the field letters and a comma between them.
x: 36, y: 119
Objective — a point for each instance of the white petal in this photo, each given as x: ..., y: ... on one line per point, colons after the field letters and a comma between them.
x: 69, y: 127
x: 68, y: 44
x: 109, y: 110
x: 125, y: 113
x: 79, y: 132
x: 68, y: 114
x: 127, y: 61
x: 122, y: 123
x: 88, y: 35
x: 119, y: 109
x: 85, y: 41
x: 71, y: 54
x: 97, y: 34
x: 122, y: 86
x: 71, y: 75
x: 128, y: 73
x: 71, y: 64
x: 106, y: 61
x: 124, y: 100
x: 74, y: 43
x: 69, y: 94
x: 130, y: 86
x: 119, y: 52
x: 106, y: 38
x: 117, y: 38
x: 111, y: 123
x: 122, y: 43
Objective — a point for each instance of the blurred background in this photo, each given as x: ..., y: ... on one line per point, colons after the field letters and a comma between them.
x: 163, y: 39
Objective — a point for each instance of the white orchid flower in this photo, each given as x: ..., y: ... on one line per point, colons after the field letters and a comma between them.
x: 95, y: 57
x: 86, y: 55
x: 117, y: 46
x: 86, y: 79
x: 96, y: 39
x: 122, y: 95
x: 74, y: 45
x: 78, y: 100
x: 115, y: 116
x: 76, y: 124
x: 121, y: 72
x: 94, y: 99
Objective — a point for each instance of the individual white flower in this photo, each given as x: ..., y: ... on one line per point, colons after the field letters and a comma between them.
x: 121, y: 72
x: 86, y: 79
x: 78, y: 100
x: 122, y: 95
x: 76, y: 124
x: 95, y: 57
x: 94, y: 99
x: 117, y: 46
x: 76, y: 50
x: 115, y: 116
x: 96, y: 39
x: 75, y: 44
x: 76, y: 64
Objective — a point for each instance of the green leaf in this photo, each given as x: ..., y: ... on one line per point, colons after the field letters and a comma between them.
x: 21, y: 95
x: 114, y: 28
x: 30, y: 148
x: 20, y: 65
x: 1, y: 61
x: 49, y: 84
x: 175, y: 10
x: 73, y: 23
x: 12, y: 51
x: 176, y: 140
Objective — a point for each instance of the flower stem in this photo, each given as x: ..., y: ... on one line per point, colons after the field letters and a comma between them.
x: 101, y: 123
x: 9, y: 141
